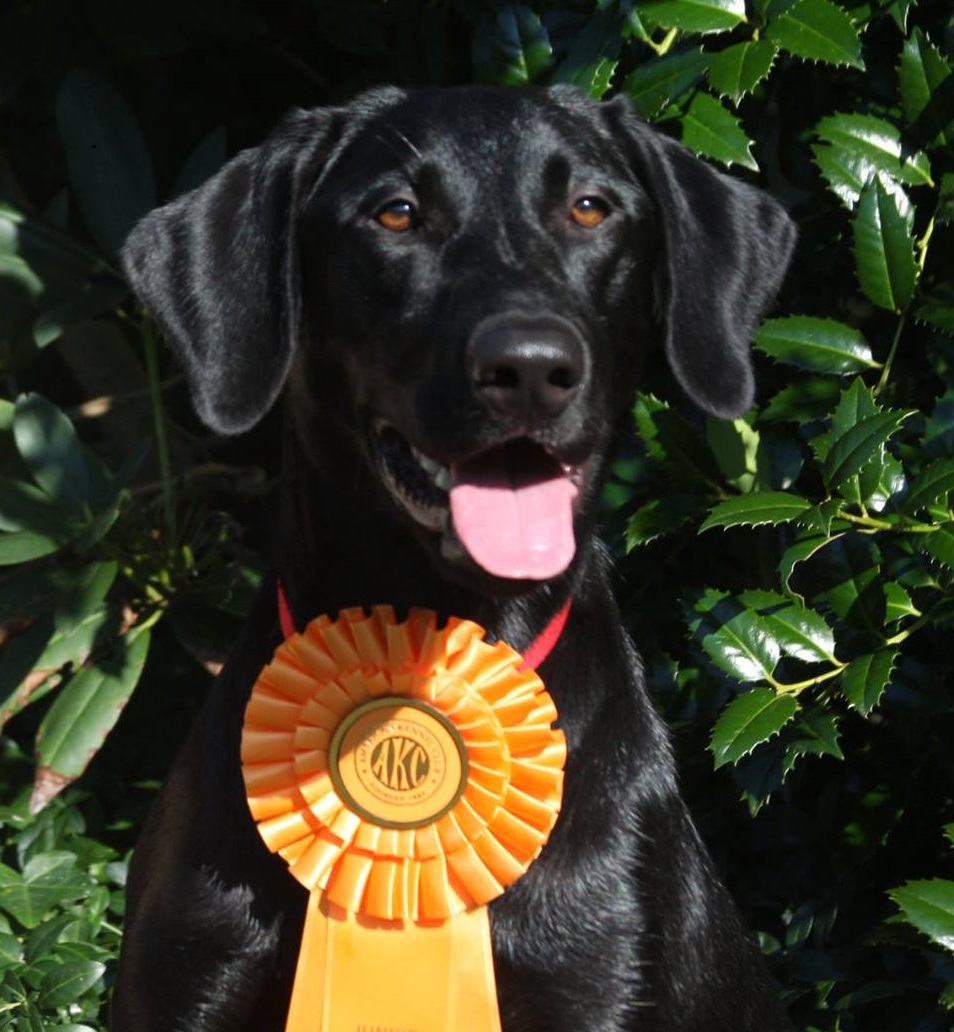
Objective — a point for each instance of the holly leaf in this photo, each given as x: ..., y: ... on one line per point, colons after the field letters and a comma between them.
x: 815, y: 345
x: 940, y: 544
x: 755, y: 509
x: 662, y: 516
x: 929, y: 906
x: 736, y: 639
x: 660, y: 81
x: 864, y: 679
x: 695, y: 16
x: 817, y: 30
x: 737, y: 70
x: 927, y: 91
x: 853, y: 449
x: 867, y: 145
x: 800, y: 632
x: 711, y: 130
x: 934, y: 484
x: 801, y: 401
x: 813, y: 734
x: 748, y: 721
x: 884, y: 245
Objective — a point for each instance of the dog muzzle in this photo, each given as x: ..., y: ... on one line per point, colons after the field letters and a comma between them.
x: 408, y: 775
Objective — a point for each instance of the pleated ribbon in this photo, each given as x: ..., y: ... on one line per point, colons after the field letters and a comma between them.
x: 408, y: 775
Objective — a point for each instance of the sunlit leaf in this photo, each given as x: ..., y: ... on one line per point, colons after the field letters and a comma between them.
x: 755, y: 509
x: 929, y: 906
x: 748, y: 721
x: 700, y: 16
x: 816, y: 345
x: 67, y: 982
x: 800, y: 632
x: 736, y: 639
x: 927, y: 90
x: 884, y: 245
x: 86, y: 710
x: 47, y: 879
x: 737, y: 70
x: 868, y: 145
x: 711, y: 130
x: 817, y: 30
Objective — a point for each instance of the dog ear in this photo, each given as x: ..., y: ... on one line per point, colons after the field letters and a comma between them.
x: 218, y: 270
x: 727, y: 247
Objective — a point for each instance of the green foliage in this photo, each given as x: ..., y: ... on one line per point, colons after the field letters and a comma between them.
x: 61, y: 906
x: 808, y: 547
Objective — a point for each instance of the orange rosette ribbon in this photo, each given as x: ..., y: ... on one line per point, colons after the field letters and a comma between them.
x: 407, y: 774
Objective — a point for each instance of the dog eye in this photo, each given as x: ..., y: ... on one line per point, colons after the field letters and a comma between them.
x: 589, y: 212
x: 397, y: 216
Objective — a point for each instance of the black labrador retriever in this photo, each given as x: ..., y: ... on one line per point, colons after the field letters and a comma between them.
x: 455, y: 290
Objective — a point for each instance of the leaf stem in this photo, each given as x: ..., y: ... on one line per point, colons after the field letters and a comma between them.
x: 798, y: 686
x: 889, y: 361
x: 162, y: 437
x: 665, y: 46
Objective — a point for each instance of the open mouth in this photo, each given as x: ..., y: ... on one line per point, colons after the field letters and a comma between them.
x: 511, y: 506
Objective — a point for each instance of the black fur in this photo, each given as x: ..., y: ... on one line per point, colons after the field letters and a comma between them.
x: 276, y: 273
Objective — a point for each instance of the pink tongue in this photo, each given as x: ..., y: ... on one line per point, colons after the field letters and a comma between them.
x: 513, y: 510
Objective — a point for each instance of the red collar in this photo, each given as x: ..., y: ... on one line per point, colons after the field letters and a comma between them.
x: 533, y: 656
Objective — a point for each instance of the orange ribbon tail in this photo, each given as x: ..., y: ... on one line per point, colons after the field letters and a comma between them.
x: 408, y: 775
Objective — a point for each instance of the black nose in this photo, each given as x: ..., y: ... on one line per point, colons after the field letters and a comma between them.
x: 526, y: 367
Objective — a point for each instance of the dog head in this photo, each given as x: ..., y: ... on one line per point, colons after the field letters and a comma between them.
x: 466, y: 281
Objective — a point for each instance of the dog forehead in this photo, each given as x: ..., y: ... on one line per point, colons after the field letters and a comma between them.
x: 473, y: 132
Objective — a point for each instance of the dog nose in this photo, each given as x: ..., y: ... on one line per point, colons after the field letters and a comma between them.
x: 530, y: 368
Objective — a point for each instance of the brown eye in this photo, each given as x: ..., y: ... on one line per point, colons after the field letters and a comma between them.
x: 397, y: 216
x: 589, y: 212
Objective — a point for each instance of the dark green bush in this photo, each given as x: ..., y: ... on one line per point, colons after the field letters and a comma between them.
x: 788, y: 576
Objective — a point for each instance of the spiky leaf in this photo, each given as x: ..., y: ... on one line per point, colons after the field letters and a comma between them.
x: 658, y: 82
x: 736, y: 639
x: 816, y: 345
x: 929, y: 906
x: 817, y: 30
x: 738, y: 69
x: 853, y: 449
x: 934, y: 484
x: 748, y: 721
x: 755, y: 509
x: 927, y: 90
x: 694, y: 15
x: 711, y: 130
x: 884, y: 245
x: 865, y: 679
x: 867, y: 145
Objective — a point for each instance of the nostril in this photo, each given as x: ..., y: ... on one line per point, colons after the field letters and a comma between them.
x: 507, y: 377
x: 563, y: 378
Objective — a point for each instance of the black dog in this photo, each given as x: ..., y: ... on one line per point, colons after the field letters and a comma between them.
x: 456, y: 289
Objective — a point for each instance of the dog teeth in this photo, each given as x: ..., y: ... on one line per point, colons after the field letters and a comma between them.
x: 439, y: 474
